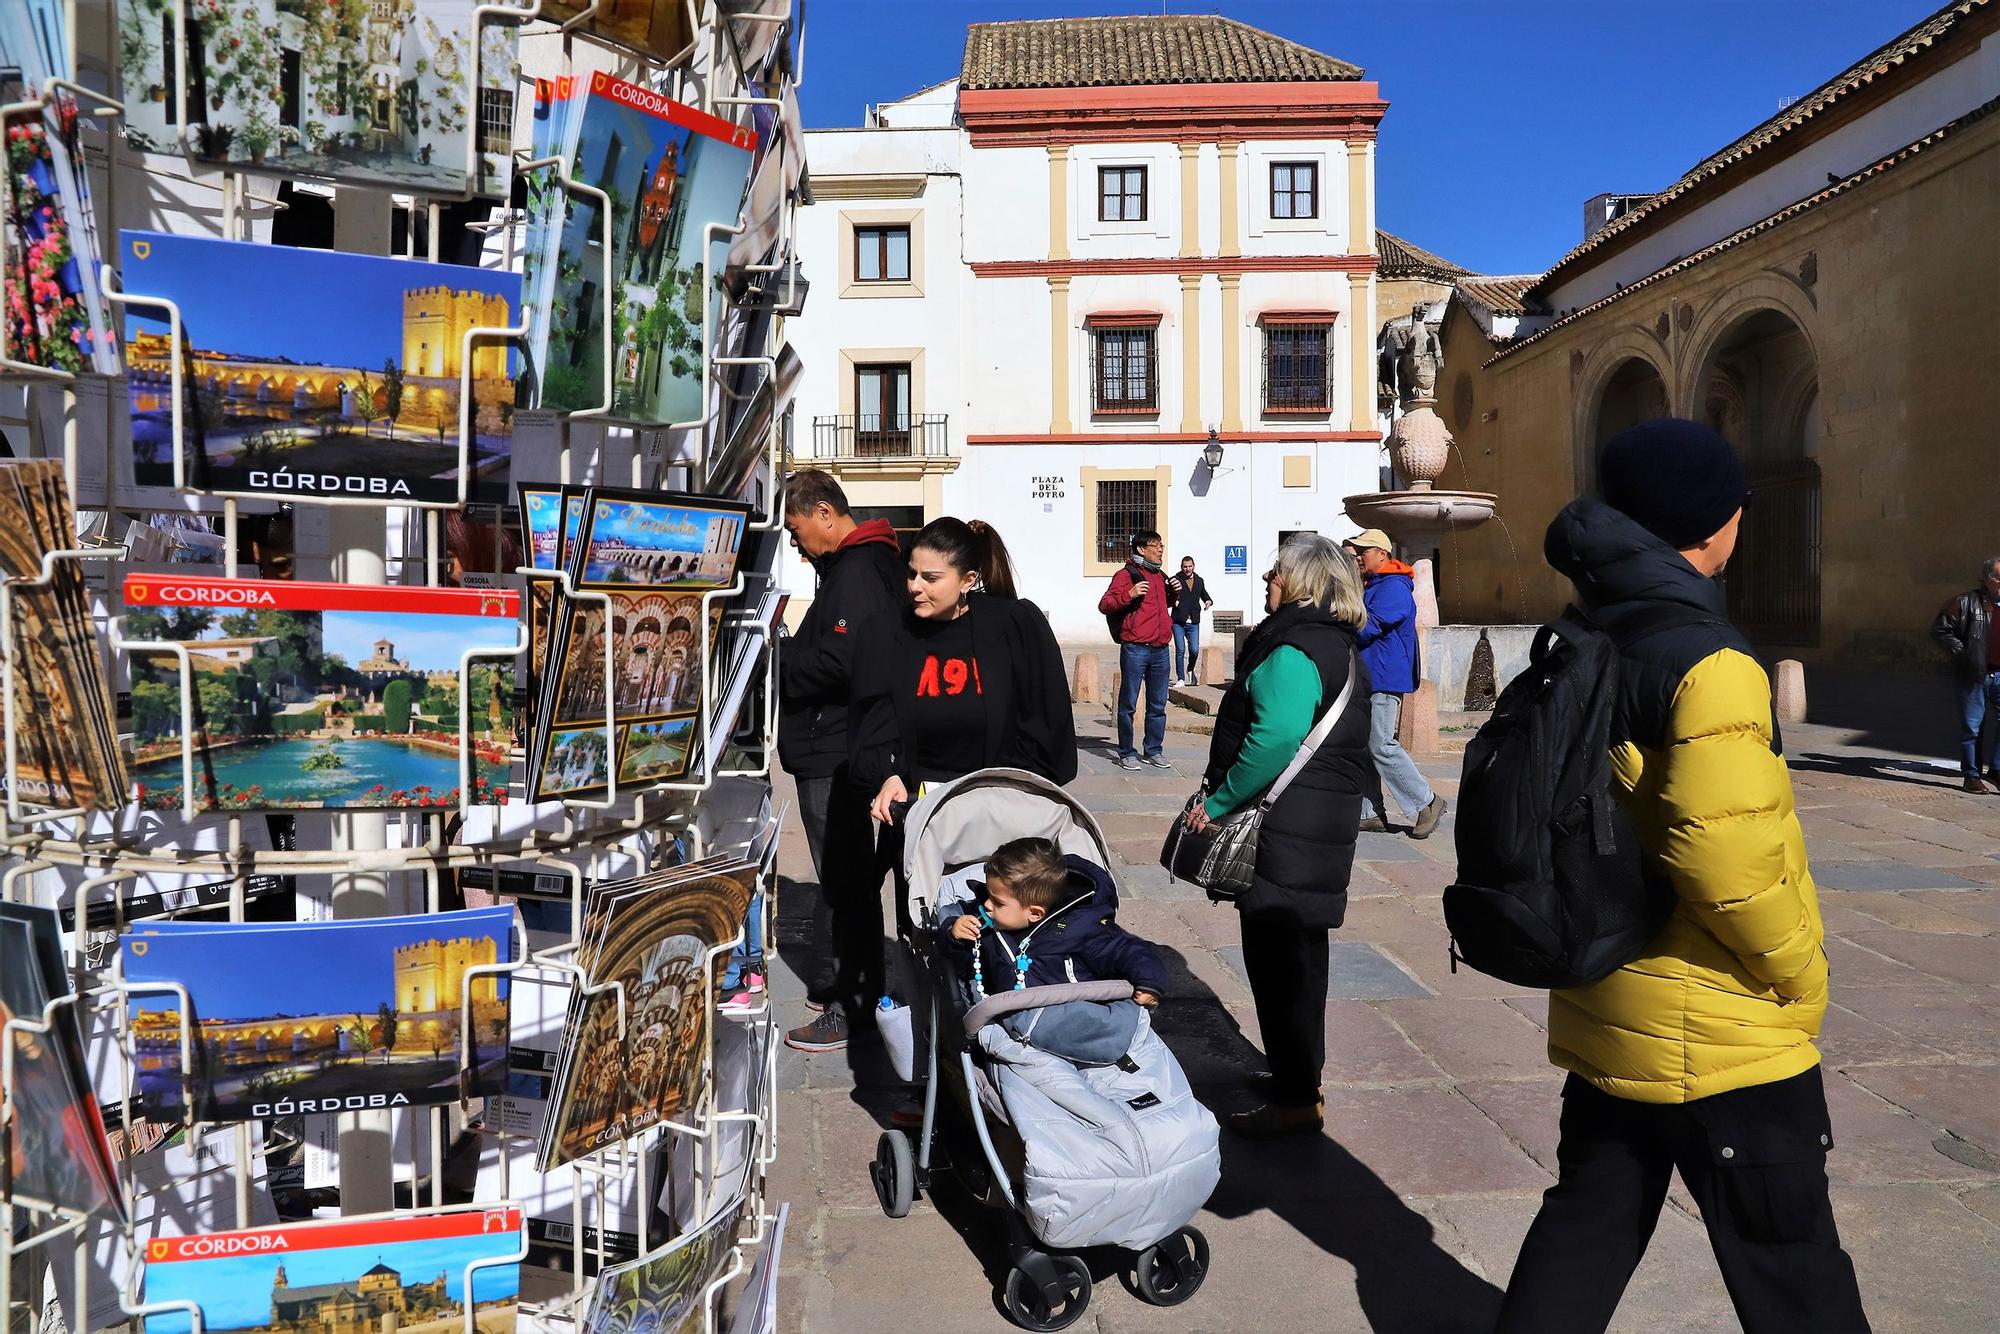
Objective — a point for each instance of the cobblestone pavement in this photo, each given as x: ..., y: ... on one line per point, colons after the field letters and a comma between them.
x: 1441, y: 1106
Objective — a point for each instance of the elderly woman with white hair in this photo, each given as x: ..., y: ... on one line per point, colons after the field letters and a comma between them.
x: 1292, y: 669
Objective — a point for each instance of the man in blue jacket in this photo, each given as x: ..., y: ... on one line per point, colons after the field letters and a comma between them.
x: 1389, y: 648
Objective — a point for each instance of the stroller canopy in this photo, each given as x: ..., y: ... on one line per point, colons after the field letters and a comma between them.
x: 961, y: 822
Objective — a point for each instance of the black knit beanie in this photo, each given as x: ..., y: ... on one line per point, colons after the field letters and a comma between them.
x: 1677, y: 479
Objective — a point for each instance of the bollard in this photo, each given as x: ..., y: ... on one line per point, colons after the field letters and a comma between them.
x: 1208, y: 669
x: 1788, y: 691
x: 1417, y: 727
x: 1083, y: 681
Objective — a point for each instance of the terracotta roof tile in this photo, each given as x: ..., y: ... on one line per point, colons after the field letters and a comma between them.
x: 1938, y: 27
x: 1118, y: 52
x: 1400, y: 259
x: 1782, y: 216
x: 1501, y: 294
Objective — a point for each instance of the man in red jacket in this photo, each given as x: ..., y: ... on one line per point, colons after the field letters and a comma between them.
x: 1138, y: 606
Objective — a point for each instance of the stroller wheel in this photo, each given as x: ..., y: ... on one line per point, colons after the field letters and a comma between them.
x: 1169, y: 1272
x: 1054, y: 1298
x: 894, y: 1173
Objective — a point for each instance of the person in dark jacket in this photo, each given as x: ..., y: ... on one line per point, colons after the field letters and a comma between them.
x: 1389, y: 647
x: 860, y: 568
x: 1696, y: 1057
x: 1137, y: 601
x: 1057, y: 916
x: 1291, y: 671
x: 967, y: 677
x: 1968, y: 628
x: 1191, y: 598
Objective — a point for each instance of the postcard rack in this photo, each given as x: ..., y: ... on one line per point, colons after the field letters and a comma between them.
x: 696, y: 1178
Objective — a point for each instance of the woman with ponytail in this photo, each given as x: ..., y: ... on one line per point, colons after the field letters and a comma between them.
x: 968, y: 677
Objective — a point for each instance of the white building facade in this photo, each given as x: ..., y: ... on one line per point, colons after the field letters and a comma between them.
x: 1052, y: 296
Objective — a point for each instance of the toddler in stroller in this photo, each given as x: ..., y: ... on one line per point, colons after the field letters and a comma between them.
x: 1060, y: 1104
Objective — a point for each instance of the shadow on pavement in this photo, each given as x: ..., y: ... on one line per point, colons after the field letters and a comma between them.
x: 1403, y: 1279
x: 1876, y: 766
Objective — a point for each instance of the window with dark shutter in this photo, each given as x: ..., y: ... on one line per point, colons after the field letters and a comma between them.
x: 1294, y: 190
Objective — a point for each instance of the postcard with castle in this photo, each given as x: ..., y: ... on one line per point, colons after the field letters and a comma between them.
x: 53, y: 1151
x: 625, y: 276
x: 394, y: 94
x: 319, y: 1016
x: 437, y: 1272
x: 314, y: 373
x: 317, y: 695
x: 653, y: 936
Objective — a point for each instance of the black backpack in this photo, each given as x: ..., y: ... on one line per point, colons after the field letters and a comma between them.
x: 1552, y: 888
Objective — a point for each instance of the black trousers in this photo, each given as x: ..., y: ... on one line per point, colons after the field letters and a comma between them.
x: 1754, y: 1160
x: 847, y: 917
x: 1286, y: 964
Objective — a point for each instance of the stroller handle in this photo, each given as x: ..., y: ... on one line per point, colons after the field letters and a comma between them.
x: 992, y: 1008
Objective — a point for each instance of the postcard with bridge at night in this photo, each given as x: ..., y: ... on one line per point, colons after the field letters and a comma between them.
x: 312, y: 374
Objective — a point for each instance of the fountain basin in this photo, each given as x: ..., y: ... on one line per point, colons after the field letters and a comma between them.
x: 1419, y: 518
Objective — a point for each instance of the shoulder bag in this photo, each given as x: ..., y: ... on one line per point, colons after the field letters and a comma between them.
x: 1223, y: 857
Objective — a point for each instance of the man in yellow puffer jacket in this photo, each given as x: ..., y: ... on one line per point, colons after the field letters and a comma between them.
x: 1699, y: 1054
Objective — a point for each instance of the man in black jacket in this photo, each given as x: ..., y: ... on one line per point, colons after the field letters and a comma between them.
x: 1190, y: 599
x: 1968, y: 628
x: 861, y: 576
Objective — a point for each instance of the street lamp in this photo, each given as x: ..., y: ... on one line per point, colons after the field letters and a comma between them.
x: 1211, y: 454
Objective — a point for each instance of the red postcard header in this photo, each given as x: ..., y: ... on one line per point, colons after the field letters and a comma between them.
x: 674, y: 113
x: 174, y: 590
x: 322, y: 1236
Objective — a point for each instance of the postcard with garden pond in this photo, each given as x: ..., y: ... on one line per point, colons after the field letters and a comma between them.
x: 317, y: 695
x: 313, y: 373
x: 392, y: 94
x: 318, y: 1016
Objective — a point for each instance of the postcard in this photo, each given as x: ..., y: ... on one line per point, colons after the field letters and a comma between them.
x: 657, y: 27
x: 652, y: 540
x: 318, y: 1016
x: 392, y: 94
x: 316, y: 695
x: 421, y: 1272
x: 757, y: 1309
x: 655, y: 752
x: 675, y: 177
x: 666, y: 1292
x: 67, y: 754
x: 653, y: 937
x: 357, y: 391
x: 53, y: 1151
x: 53, y: 313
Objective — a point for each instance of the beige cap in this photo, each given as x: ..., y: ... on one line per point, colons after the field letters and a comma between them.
x: 1371, y: 537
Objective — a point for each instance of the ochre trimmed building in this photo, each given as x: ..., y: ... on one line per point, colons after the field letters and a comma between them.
x: 1824, y: 290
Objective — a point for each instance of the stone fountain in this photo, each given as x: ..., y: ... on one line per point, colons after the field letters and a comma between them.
x: 1416, y: 520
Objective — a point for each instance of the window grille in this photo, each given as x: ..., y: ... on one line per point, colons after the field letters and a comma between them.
x: 1297, y: 371
x: 1773, y: 581
x: 496, y: 120
x: 1124, y: 510
x: 1124, y: 374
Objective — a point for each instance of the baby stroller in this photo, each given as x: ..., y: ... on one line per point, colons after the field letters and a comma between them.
x: 1115, y: 1154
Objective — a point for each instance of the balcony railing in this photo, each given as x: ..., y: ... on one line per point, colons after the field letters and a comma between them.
x: 874, y: 435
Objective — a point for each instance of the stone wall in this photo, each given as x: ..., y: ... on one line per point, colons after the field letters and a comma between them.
x: 1892, y: 284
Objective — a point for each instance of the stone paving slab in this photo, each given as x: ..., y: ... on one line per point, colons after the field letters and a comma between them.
x: 1354, y: 972
x: 1406, y: 1214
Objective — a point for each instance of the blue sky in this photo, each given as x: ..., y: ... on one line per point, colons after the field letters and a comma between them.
x: 1504, y: 116
x: 431, y: 643
x: 252, y: 973
x: 317, y: 307
x: 235, y: 1291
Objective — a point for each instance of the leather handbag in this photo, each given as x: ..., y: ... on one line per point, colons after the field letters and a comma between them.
x: 1222, y: 858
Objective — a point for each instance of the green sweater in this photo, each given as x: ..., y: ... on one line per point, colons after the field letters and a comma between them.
x: 1284, y: 694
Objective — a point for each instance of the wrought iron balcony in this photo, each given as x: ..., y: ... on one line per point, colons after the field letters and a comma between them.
x: 874, y: 435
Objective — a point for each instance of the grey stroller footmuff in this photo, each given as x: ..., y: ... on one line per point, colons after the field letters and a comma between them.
x: 1112, y: 1155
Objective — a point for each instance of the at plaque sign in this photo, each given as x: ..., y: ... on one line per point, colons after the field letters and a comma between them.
x: 1236, y: 560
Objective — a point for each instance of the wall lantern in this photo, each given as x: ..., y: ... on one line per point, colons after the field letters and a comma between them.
x: 1211, y: 454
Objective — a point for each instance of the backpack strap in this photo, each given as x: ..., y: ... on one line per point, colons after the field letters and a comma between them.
x: 1321, y: 731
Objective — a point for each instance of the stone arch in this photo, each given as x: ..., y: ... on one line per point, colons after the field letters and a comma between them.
x: 1762, y: 291
x: 1756, y: 379
x: 1618, y: 374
